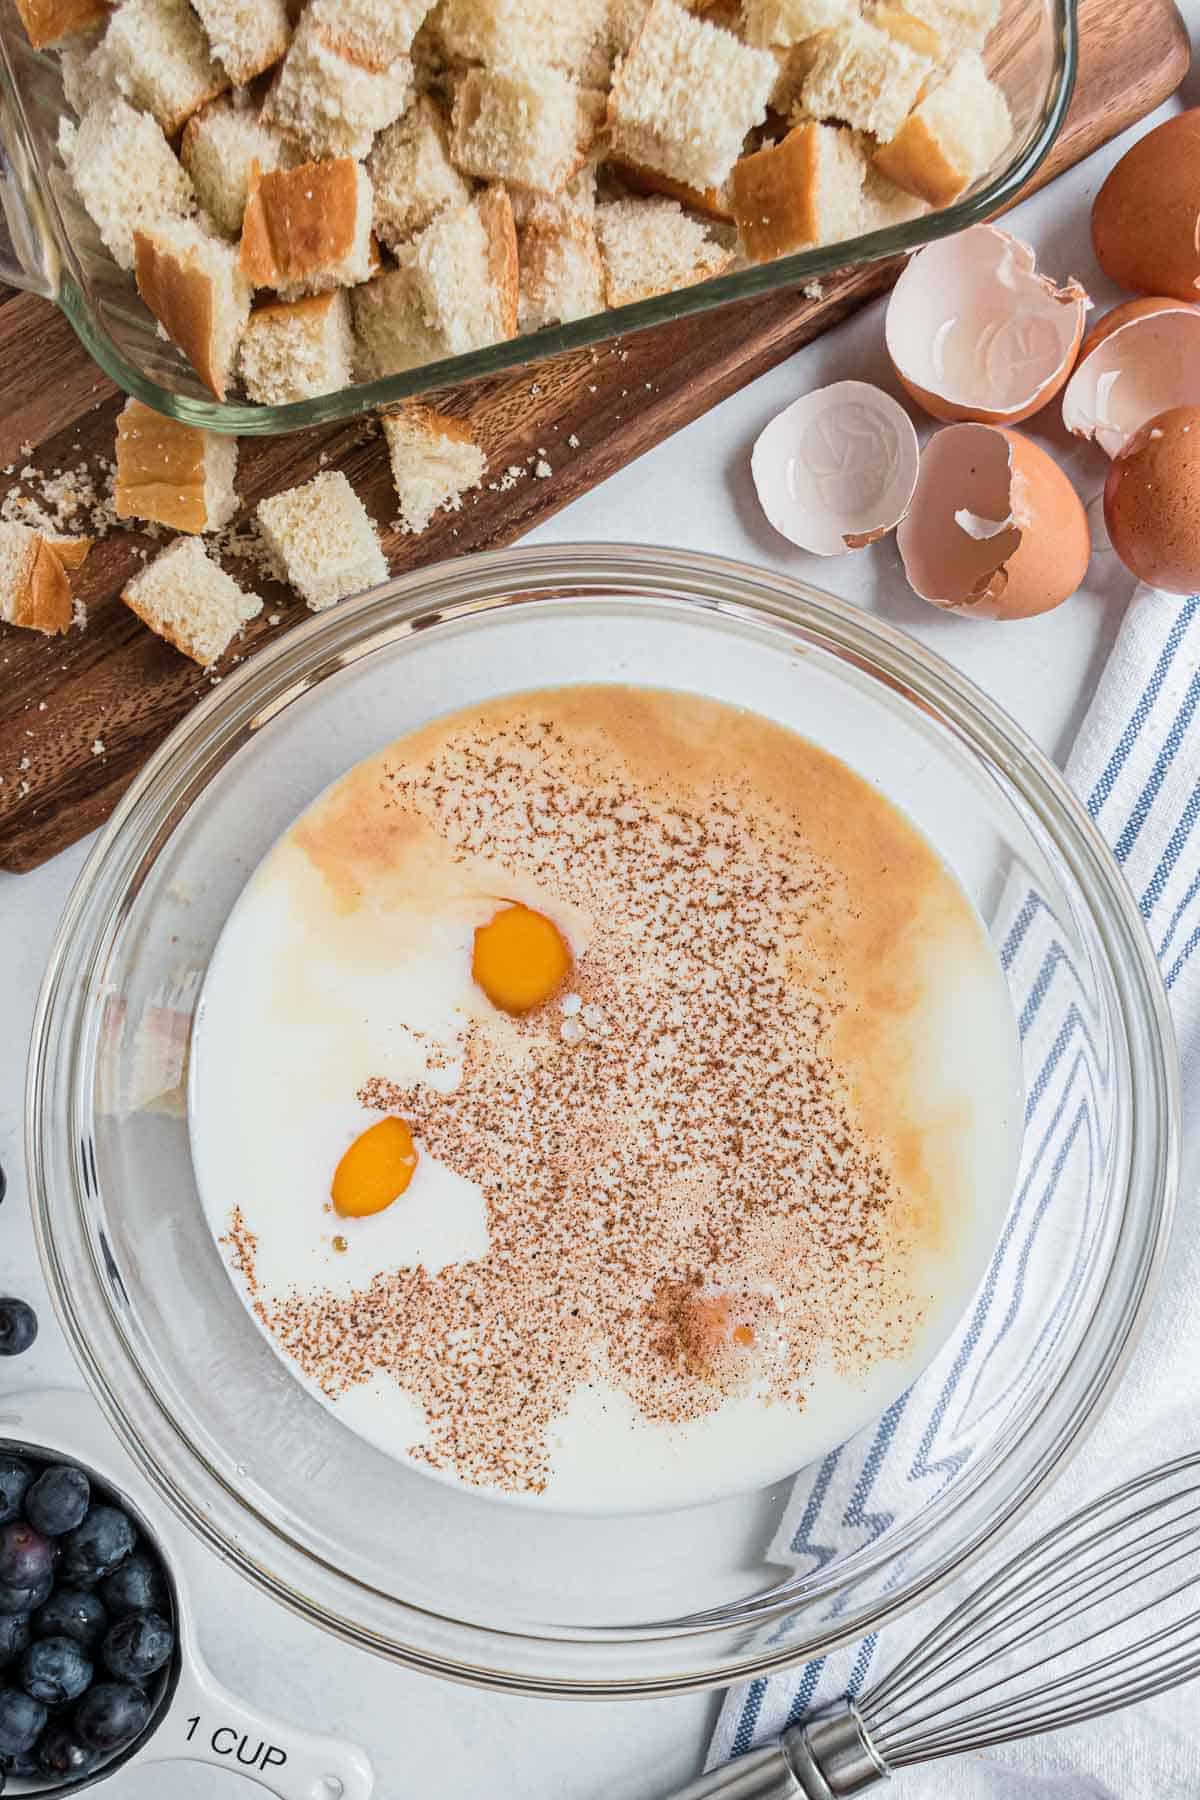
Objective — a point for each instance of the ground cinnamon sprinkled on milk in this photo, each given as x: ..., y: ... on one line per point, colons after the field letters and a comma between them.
x: 682, y: 1198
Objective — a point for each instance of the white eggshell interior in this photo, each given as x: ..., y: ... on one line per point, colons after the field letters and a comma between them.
x: 1141, y: 369
x: 972, y: 322
x: 837, y: 467
x: 960, y: 528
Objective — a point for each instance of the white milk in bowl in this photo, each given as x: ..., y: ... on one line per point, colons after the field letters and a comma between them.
x: 605, y: 1099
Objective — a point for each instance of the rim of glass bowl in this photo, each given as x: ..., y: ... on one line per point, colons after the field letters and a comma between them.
x: 633, y: 1661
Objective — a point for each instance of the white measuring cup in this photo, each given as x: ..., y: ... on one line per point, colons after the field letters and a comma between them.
x: 196, y: 1719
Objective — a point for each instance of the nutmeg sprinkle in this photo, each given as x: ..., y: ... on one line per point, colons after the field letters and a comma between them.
x: 681, y: 1199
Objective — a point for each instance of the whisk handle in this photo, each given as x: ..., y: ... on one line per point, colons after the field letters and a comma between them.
x: 764, y: 1774
x: 829, y: 1758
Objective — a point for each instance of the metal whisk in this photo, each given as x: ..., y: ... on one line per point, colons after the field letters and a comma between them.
x: 1099, y: 1613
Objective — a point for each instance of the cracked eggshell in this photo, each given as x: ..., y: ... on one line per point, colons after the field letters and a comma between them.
x: 836, y: 469
x: 1146, y: 217
x: 1152, y: 501
x: 1140, y: 359
x: 995, y: 531
x: 975, y: 333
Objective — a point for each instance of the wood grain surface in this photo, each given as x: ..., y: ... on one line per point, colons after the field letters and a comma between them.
x: 79, y: 715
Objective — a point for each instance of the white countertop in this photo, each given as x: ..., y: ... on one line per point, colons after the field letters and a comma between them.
x: 429, y: 1738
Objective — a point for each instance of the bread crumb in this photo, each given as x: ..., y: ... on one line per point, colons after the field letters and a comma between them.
x: 573, y: 441
x: 98, y: 747
x: 543, y: 470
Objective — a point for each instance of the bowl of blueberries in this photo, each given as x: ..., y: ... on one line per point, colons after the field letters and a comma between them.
x: 86, y: 1621
x: 98, y: 1661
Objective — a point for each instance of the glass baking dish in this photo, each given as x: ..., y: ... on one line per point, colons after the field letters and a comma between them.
x: 50, y: 246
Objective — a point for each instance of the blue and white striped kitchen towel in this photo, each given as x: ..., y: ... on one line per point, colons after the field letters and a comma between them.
x: 1136, y: 765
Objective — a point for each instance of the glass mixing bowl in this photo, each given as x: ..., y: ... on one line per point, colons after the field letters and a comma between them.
x: 448, y: 1581
x: 49, y: 245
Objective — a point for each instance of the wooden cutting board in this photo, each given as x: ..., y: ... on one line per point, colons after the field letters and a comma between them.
x: 79, y: 715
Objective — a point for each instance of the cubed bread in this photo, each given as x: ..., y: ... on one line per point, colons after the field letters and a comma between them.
x: 865, y: 77
x: 192, y: 284
x: 576, y: 201
x: 34, y: 590
x: 714, y: 203
x: 919, y: 34
x: 49, y: 22
x: 173, y: 473
x: 72, y: 552
x: 787, y: 22
x: 246, y: 36
x: 794, y: 67
x: 220, y: 144
x: 625, y: 20
x: 298, y: 349
x: 562, y: 276
x: 435, y: 460
x: 86, y: 75
x: 391, y: 329
x: 524, y: 34
x: 961, y: 24
x: 411, y: 173
x: 465, y: 268
x: 804, y: 191
x: 308, y: 228
x: 323, y: 540
x: 160, y: 60
x: 125, y: 173
x: 685, y: 96
x: 652, y: 247
x: 186, y: 599
x: 526, y: 127
x: 330, y: 103
x: 957, y: 132
x: 884, y: 204
x: 371, y: 32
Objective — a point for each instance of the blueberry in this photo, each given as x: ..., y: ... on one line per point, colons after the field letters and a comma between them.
x: 56, y: 1670
x: 18, y: 1326
x: 15, y: 1477
x: 74, y: 1613
x: 111, y: 1715
x: 137, y: 1586
x: 24, y: 1599
x: 26, y: 1557
x: 21, y: 1721
x: 59, y: 1752
x: 98, y: 1546
x: 58, y: 1500
x: 137, y: 1646
x: 14, y: 1637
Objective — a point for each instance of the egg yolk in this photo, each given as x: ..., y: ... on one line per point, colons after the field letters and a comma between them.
x: 375, y: 1170
x: 520, y: 959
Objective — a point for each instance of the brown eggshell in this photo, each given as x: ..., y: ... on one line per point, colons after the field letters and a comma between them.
x: 1152, y: 362
x: 1146, y: 217
x: 995, y: 530
x: 975, y: 334
x: 1127, y: 313
x: 1152, y: 502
